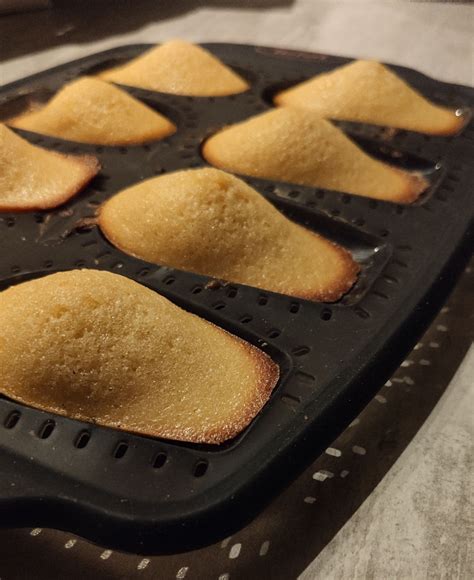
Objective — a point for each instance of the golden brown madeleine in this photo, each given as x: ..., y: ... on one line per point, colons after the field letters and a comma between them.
x: 99, y: 347
x: 369, y: 92
x: 89, y: 110
x: 298, y: 146
x: 180, y: 68
x: 35, y: 178
x: 210, y: 222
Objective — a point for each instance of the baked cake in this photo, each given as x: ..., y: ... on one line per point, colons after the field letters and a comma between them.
x: 299, y: 146
x: 369, y: 92
x: 180, y: 68
x: 35, y: 178
x: 89, y: 110
x: 210, y: 222
x: 98, y: 347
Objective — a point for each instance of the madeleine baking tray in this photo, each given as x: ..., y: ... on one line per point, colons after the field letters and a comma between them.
x: 148, y: 495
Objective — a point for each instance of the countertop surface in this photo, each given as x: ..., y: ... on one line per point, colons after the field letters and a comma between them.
x: 417, y: 521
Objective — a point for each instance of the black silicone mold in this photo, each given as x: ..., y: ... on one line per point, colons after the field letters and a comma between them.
x: 148, y: 495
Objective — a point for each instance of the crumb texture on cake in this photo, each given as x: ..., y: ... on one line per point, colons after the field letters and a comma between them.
x: 102, y: 348
x: 297, y: 145
x: 180, y: 68
x: 34, y: 178
x: 369, y: 92
x: 89, y: 110
x: 210, y: 222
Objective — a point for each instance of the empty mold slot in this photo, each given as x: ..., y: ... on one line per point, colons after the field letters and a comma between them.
x: 46, y: 429
x: 82, y: 440
x: 12, y: 419
x: 120, y: 450
x: 159, y: 460
x: 200, y: 468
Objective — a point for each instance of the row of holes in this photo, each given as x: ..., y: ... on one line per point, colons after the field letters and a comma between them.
x: 82, y: 440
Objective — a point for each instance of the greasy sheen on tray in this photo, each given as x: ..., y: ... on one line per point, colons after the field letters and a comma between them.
x: 180, y: 68
x: 299, y: 146
x: 213, y: 223
x: 369, y: 92
x: 99, y: 347
x: 35, y: 178
x: 92, y: 111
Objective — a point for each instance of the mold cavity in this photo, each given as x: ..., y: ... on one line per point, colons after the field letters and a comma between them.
x: 246, y: 318
x: 105, y: 65
x: 159, y: 460
x: 24, y: 103
x: 262, y: 300
x: 12, y: 419
x: 274, y: 333
x: 121, y: 450
x: 46, y: 429
x: 196, y: 290
x: 270, y: 93
x: 82, y: 440
x: 200, y: 468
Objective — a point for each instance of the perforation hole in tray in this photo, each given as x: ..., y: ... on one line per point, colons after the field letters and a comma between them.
x: 120, y: 450
x: 12, y: 419
x: 300, y: 350
x: 325, y: 314
x: 159, y: 460
x: 82, y: 440
x: 46, y: 429
x: 291, y: 401
x: 200, y: 468
x: 246, y: 318
x: 294, y: 307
